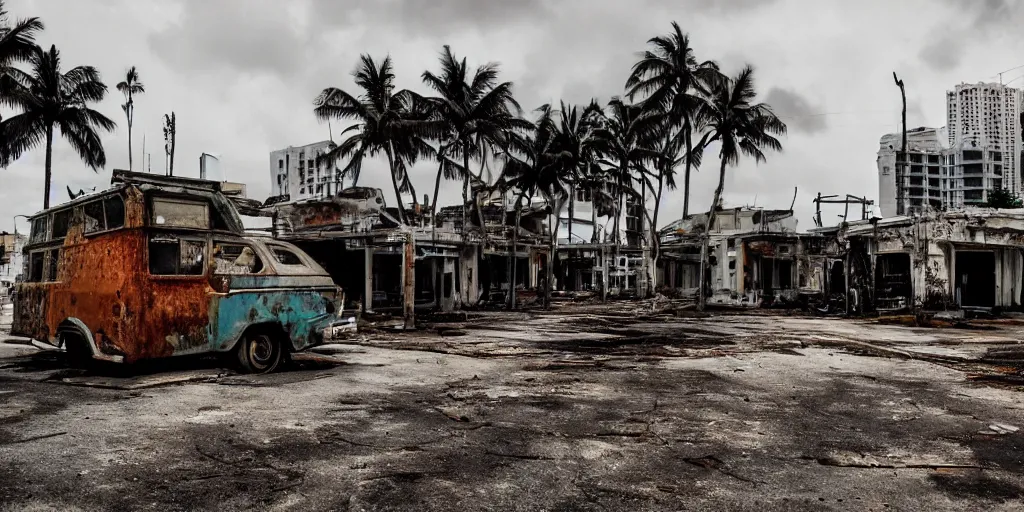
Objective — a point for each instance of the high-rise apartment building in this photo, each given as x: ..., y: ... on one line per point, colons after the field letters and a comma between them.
x: 986, y: 117
x: 294, y: 172
x: 925, y: 183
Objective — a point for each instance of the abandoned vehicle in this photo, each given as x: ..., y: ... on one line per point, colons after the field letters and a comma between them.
x: 157, y: 267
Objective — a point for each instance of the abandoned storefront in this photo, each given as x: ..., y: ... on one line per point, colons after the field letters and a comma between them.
x: 969, y: 259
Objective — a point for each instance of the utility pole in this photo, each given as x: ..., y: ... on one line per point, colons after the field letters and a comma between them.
x: 901, y: 155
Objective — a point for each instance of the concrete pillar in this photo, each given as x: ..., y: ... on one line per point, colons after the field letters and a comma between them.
x: 604, y: 273
x: 368, y: 284
x: 740, y: 273
x: 409, y: 281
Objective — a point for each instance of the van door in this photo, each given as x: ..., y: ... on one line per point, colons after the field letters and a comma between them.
x: 177, y: 315
x: 238, y: 279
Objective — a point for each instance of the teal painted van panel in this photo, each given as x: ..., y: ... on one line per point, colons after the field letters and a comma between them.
x: 302, y: 313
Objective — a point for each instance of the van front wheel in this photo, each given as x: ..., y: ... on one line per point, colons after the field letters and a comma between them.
x: 259, y: 352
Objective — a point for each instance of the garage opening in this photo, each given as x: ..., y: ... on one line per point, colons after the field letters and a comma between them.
x: 976, y: 278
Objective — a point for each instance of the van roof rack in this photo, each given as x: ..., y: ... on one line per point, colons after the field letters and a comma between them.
x: 143, y: 178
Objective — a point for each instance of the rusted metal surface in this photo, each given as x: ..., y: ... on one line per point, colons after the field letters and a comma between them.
x: 103, y: 289
x: 354, y: 210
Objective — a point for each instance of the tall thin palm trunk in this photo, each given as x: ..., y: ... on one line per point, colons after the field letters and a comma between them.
x: 130, y: 143
x: 394, y: 184
x: 686, y: 177
x: 49, y: 166
x: 433, y: 204
x: 513, y: 263
x: 572, y: 209
x: 705, y: 245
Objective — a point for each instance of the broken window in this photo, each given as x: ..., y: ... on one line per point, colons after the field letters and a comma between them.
x: 114, y: 209
x: 35, y: 267
x: 182, y: 214
x: 169, y: 256
x: 286, y: 257
x: 39, y: 229
x: 61, y: 221
x: 104, y: 214
x: 53, y: 260
x: 234, y: 259
x: 93, y: 213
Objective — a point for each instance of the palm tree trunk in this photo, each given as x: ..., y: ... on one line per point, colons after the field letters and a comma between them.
x: 686, y: 176
x: 394, y: 184
x: 49, y: 166
x: 652, y: 270
x: 433, y: 205
x: 618, y: 216
x: 465, y: 188
x: 129, y: 142
x: 512, y: 265
x: 705, y: 244
x: 593, y: 216
x: 572, y: 209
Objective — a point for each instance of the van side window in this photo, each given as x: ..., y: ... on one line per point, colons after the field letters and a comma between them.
x: 285, y: 257
x: 104, y: 215
x: 52, y: 261
x: 172, y: 256
x: 234, y: 259
x: 35, y: 267
x: 61, y: 221
x: 180, y: 214
x: 39, y: 229
x: 114, y: 208
x: 93, y: 213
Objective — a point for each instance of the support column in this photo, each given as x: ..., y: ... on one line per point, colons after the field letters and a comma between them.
x: 741, y: 261
x: 604, y: 274
x: 409, y: 281
x: 368, y: 281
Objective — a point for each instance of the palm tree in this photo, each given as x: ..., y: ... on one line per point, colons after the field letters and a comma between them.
x: 47, y: 98
x: 741, y: 127
x: 576, y: 147
x: 475, y: 113
x: 671, y: 78
x: 530, y: 169
x: 130, y: 87
x: 387, y: 122
x: 16, y: 44
x: 627, y: 140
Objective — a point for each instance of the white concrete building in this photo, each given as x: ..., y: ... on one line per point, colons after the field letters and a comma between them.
x: 11, y: 261
x: 988, y: 115
x: 924, y: 178
x: 294, y: 172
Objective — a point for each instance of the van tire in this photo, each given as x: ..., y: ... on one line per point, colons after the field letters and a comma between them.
x: 77, y: 351
x: 259, y: 351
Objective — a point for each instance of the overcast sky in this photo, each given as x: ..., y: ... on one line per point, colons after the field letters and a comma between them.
x: 241, y: 75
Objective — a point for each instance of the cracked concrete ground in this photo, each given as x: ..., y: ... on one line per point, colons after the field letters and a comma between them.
x: 584, y: 408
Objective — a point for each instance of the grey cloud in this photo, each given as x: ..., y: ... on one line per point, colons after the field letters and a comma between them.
x: 943, y: 54
x: 241, y: 35
x: 796, y: 111
x: 419, y: 17
x: 985, y: 20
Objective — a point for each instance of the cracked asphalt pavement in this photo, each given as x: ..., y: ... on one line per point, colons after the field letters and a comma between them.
x: 587, y: 407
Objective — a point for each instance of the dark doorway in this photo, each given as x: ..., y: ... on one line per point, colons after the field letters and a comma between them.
x: 976, y: 279
x: 837, y: 278
x: 893, y: 286
x: 785, y: 274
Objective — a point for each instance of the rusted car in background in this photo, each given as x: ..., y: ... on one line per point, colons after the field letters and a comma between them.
x: 157, y: 267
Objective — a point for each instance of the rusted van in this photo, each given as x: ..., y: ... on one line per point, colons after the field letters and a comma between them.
x: 158, y: 267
